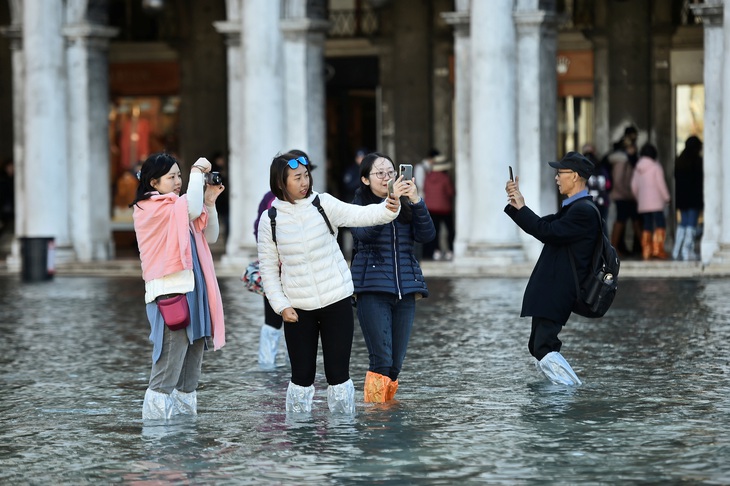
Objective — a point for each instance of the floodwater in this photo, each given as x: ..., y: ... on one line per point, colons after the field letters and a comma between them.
x: 654, y: 407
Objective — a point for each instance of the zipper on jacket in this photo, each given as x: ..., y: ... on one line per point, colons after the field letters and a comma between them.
x: 395, y: 258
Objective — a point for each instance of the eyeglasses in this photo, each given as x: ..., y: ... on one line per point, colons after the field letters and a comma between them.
x: 384, y: 175
x: 294, y: 163
x: 558, y: 172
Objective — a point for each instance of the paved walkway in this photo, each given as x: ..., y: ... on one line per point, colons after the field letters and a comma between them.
x: 459, y: 268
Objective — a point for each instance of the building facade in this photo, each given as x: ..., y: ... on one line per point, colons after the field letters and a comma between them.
x: 90, y: 87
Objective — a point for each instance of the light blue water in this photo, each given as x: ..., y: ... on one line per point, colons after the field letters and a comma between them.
x: 655, y: 406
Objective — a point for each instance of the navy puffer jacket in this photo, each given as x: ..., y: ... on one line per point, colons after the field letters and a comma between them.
x: 384, y: 259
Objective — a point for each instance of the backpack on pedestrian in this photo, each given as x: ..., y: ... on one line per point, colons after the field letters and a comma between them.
x: 598, y: 289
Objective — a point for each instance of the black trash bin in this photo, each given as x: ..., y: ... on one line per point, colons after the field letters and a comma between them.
x: 38, y: 254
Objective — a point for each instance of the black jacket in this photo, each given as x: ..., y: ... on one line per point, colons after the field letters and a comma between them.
x: 384, y: 260
x: 551, y: 290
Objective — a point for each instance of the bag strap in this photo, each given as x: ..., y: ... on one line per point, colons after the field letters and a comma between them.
x: 272, y: 217
x: 315, y: 202
x: 317, y: 205
x: 596, y: 251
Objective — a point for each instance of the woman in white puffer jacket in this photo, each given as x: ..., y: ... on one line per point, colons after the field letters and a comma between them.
x: 308, y: 281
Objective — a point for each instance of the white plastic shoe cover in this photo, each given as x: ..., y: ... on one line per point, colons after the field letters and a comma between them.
x: 157, y: 406
x: 678, y: 241
x: 268, y: 345
x: 185, y: 403
x: 341, y: 398
x: 557, y: 369
x: 299, y: 398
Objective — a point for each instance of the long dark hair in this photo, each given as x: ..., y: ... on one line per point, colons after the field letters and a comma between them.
x: 690, y: 156
x: 365, y: 192
x: 156, y: 166
x: 280, y: 170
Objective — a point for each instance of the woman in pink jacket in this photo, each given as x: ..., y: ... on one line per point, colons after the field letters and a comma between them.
x: 652, y: 197
x: 173, y: 232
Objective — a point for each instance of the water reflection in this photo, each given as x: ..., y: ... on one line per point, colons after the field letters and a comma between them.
x: 471, y: 406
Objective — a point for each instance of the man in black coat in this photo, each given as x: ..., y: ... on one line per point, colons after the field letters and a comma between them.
x: 551, y: 290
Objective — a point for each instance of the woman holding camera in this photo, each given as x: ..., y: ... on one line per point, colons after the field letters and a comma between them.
x: 386, y: 274
x: 173, y: 233
x: 307, y: 280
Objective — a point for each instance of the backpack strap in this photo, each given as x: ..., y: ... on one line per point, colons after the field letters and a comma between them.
x: 318, y: 205
x: 272, y: 217
x: 596, y: 252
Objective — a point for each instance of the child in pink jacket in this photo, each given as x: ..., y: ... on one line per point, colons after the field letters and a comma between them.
x: 652, y: 196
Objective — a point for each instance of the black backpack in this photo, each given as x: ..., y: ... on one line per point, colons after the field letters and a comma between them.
x: 598, y: 289
x: 315, y: 203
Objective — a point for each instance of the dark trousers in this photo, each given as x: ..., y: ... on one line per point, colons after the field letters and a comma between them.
x: 544, y: 337
x: 335, y: 324
x: 271, y: 317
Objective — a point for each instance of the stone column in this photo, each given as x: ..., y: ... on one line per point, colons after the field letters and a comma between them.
x: 715, y: 98
x: 304, y: 90
x: 536, y: 110
x: 88, y: 117
x: 46, y: 169
x: 262, y: 122
x: 462, y: 129
x: 231, y: 30
x: 15, y: 33
x: 492, y: 235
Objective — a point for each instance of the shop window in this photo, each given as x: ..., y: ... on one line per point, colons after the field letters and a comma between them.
x: 138, y: 127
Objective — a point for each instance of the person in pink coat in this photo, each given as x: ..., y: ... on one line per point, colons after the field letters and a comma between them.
x: 652, y: 196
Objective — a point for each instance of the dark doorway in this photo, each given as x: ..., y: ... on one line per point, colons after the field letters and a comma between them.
x: 351, y: 113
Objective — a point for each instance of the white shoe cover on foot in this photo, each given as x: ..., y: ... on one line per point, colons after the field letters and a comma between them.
x: 185, y: 403
x: 299, y: 398
x: 557, y: 369
x: 157, y: 406
x: 268, y: 346
x: 341, y: 398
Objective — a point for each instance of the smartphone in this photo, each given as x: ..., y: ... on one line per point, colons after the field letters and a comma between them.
x: 390, y: 187
x: 511, y: 175
x: 406, y: 170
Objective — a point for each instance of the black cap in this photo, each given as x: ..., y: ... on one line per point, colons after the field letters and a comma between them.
x: 576, y: 162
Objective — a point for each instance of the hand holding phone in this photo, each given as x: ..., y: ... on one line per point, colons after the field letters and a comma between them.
x: 406, y: 170
x: 390, y: 188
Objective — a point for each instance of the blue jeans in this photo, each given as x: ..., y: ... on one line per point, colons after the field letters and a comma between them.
x: 690, y: 217
x: 386, y: 324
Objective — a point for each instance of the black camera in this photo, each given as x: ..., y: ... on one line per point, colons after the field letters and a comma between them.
x: 213, y: 178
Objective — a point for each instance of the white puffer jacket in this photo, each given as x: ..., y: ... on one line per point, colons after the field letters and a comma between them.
x: 314, y: 274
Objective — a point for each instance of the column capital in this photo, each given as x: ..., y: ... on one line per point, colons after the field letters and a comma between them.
x: 295, y: 27
x: 95, y: 35
x: 230, y: 30
x: 459, y: 21
x: 710, y: 12
x: 526, y: 19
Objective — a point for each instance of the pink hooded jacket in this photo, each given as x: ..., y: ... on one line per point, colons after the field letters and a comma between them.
x: 649, y: 186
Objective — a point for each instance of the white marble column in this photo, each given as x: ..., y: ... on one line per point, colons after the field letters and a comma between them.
x: 88, y: 119
x: 724, y: 253
x: 304, y: 89
x: 711, y: 13
x: 231, y: 30
x: 262, y: 119
x: 46, y: 169
x: 492, y: 235
x: 459, y: 20
x: 536, y: 111
x: 15, y: 33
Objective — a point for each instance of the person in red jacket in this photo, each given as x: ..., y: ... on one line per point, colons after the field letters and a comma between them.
x: 438, y: 193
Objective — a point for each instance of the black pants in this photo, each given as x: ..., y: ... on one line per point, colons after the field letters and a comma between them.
x: 544, y: 337
x: 335, y: 324
x: 270, y: 316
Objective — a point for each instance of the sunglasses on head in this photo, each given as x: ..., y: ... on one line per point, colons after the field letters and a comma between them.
x: 294, y: 163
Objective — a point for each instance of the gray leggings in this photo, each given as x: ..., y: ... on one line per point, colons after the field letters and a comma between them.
x: 179, y: 365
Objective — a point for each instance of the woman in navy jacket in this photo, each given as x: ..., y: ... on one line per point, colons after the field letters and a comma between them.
x: 386, y: 274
